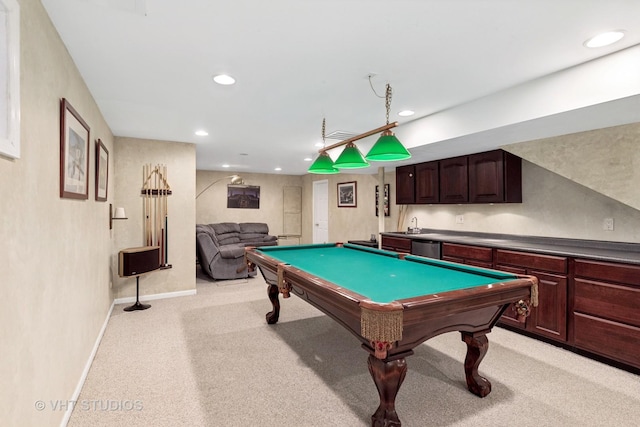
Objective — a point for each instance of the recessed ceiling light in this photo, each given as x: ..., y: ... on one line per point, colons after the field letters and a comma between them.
x: 605, y: 39
x: 307, y: 159
x: 319, y: 144
x: 225, y: 165
x: 223, y: 79
x: 406, y: 113
x: 278, y: 169
x: 202, y: 133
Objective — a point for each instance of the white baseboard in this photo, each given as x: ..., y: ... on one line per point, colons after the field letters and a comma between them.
x: 127, y: 300
x: 85, y: 372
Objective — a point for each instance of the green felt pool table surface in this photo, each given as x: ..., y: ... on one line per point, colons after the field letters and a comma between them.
x: 382, y: 276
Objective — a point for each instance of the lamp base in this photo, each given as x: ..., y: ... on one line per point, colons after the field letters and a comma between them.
x: 137, y: 306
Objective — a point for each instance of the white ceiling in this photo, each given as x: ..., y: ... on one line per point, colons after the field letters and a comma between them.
x: 149, y: 65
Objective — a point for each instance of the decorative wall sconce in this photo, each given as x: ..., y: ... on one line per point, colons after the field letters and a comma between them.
x: 119, y: 214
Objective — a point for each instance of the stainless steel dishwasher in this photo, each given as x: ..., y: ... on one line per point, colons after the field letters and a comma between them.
x: 426, y: 248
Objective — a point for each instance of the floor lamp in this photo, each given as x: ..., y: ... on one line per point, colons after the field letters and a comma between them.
x: 235, y: 179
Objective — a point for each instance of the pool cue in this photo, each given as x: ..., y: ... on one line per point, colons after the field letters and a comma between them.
x: 165, y: 212
x: 144, y: 206
x: 166, y: 219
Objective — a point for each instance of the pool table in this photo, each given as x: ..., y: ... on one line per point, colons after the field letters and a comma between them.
x: 393, y: 302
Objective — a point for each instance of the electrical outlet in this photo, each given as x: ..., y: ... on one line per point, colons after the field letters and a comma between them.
x: 607, y: 224
x: 459, y: 219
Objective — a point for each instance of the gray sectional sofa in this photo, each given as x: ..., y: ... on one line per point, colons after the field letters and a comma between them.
x: 220, y: 247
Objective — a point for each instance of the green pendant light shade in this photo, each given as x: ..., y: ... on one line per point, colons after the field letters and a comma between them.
x: 387, y: 148
x: 323, y: 165
x: 351, y: 158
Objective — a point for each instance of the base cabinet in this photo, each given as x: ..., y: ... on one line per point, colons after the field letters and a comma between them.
x: 584, y: 305
x: 606, y: 303
x: 549, y: 318
x: 396, y: 244
x: 467, y: 254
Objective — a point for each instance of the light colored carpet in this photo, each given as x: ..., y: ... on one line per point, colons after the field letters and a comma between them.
x: 211, y: 360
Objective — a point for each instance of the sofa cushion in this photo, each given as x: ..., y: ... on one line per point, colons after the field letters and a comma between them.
x: 232, y: 251
x: 227, y: 232
x: 254, y: 228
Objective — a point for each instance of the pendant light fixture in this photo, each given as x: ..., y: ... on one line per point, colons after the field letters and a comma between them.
x: 323, y: 164
x: 388, y: 147
x: 351, y: 158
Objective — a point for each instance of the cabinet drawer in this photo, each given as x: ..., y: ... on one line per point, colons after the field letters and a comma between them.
x: 607, y: 271
x: 614, y: 302
x: 397, y: 243
x: 554, y: 264
x: 467, y: 252
x: 611, y: 339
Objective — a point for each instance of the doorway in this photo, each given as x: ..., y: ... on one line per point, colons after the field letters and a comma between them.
x: 321, y: 211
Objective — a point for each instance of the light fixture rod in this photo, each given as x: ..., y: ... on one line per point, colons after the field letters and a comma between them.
x: 361, y: 136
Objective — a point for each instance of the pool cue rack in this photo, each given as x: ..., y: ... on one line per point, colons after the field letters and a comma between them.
x: 155, y: 192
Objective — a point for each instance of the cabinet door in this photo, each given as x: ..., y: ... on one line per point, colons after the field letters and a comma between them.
x: 549, y: 318
x: 454, y: 180
x: 405, y: 185
x: 427, y: 182
x: 495, y: 177
x: 486, y: 177
x: 510, y: 316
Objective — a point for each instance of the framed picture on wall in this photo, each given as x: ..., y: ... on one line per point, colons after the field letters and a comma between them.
x: 347, y: 194
x: 102, y: 171
x: 243, y: 196
x: 385, y: 199
x: 74, y: 153
x: 10, y: 78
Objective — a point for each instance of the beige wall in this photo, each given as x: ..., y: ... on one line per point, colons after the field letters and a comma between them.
x: 605, y: 160
x: 347, y: 223
x: 55, y: 252
x: 211, y: 206
x: 552, y: 206
x: 180, y: 161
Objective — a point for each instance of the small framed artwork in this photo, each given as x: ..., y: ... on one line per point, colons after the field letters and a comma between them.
x: 347, y: 194
x: 102, y: 171
x: 10, y: 79
x: 385, y: 199
x: 74, y: 153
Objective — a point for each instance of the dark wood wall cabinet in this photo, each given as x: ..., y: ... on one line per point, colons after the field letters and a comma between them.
x: 490, y: 177
x: 495, y: 177
x: 588, y: 306
x: 406, y: 185
x: 427, y: 182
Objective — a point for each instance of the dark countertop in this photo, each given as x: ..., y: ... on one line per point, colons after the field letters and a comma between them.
x: 591, y: 249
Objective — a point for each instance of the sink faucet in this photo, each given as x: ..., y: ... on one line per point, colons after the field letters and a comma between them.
x: 415, y: 228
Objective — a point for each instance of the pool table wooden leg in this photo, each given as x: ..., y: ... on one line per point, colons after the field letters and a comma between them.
x: 388, y: 376
x: 477, y: 346
x: 273, y: 315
